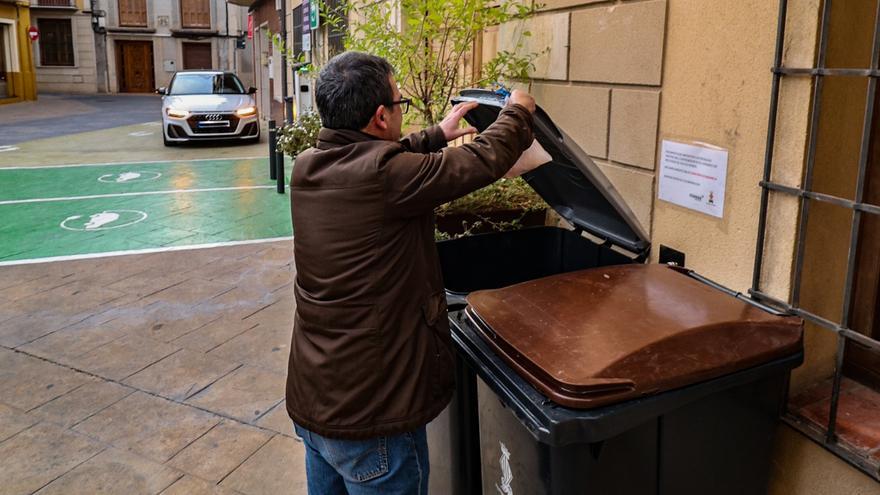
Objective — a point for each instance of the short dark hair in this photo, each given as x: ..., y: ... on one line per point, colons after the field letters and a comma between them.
x: 351, y: 87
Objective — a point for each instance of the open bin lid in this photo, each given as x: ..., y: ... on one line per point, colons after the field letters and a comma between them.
x: 647, y: 329
x: 572, y: 184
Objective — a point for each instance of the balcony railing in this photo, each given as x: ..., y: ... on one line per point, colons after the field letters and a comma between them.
x: 53, y: 3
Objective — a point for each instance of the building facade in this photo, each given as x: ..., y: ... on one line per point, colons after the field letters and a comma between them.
x: 17, y: 76
x: 147, y: 41
x: 64, y: 53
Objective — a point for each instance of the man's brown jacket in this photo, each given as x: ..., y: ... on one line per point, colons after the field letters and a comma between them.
x: 371, y: 353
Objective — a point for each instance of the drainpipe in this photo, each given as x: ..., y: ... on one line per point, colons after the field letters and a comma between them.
x: 100, y: 31
x: 288, y: 104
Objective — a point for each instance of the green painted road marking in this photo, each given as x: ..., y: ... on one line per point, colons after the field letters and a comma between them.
x: 76, y: 227
x: 95, y: 180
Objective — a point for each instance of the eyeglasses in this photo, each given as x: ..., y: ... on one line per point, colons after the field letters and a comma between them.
x: 404, y: 104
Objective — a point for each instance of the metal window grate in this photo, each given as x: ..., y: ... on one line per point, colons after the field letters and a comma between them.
x: 806, y: 196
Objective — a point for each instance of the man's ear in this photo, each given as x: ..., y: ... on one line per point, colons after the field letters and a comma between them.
x: 379, y: 117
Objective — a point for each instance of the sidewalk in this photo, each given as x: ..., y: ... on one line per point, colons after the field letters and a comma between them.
x: 160, y: 373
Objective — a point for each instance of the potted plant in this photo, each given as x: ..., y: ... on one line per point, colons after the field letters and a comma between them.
x: 507, y: 204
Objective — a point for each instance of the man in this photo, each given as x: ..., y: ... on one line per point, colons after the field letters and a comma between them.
x: 371, y: 357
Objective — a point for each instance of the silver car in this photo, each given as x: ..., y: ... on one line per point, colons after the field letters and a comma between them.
x: 205, y: 105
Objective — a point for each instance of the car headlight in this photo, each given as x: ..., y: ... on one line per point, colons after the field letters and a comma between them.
x: 246, y: 111
x: 177, y: 113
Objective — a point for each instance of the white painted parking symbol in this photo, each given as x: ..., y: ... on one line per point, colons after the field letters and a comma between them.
x: 126, y: 177
x: 8, y: 148
x: 104, y: 220
x: 141, y: 133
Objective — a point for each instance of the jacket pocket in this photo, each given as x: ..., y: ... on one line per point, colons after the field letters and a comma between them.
x: 434, y: 308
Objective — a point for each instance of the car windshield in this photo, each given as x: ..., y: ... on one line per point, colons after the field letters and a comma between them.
x: 206, y: 84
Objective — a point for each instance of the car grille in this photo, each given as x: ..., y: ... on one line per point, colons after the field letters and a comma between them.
x: 213, y: 123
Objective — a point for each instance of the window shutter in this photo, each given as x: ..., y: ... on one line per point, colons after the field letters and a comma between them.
x: 195, y: 13
x: 133, y: 13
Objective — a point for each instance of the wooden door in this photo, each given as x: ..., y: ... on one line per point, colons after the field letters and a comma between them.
x: 135, y: 66
x: 197, y: 56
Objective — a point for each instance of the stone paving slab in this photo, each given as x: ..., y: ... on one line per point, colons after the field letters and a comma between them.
x: 13, y: 421
x: 40, y: 454
x: 100, y: 405
x: 114, y: 471
x: 150, y: 426
x: 215, y: 333
x: 263, y: 346
x: 245, y: 394
x: 65, y: 345
x: 278, y: 421
x: 262, y: 475
x: 220, y: 451
x: 123, y: 357
x: 27, y: 382
x: 189, y: 485
x: 81, y: 402
x: 182, y: 374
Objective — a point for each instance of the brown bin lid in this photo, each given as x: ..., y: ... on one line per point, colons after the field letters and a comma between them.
x: 599, y: 336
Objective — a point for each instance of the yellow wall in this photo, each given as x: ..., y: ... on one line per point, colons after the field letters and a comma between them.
x: 22, y: 84
x: 716, y: 89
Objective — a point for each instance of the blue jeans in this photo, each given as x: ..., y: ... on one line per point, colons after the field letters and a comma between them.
x: 382, y: 465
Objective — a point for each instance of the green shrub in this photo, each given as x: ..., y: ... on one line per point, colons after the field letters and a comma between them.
x: 299, y: 136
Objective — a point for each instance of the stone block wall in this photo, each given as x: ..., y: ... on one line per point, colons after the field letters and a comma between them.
x: 599, y: 76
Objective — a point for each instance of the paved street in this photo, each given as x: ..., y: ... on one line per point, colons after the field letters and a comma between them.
x: 61, y: 115
x: 61, y: 130
x: 145, y: 314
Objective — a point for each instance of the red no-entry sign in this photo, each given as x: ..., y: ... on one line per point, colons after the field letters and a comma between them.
x: 33, y: 33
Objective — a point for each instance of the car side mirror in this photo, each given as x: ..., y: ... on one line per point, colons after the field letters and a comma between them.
x: 162, y: 91
x: 252, y: 90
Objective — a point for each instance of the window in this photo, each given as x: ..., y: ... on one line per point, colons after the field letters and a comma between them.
x: 297, y: 31
x: 133, y: 13
x: 195, y: 14
x: 835, y: 284
x: 337, y: 27
x: 56, y: 42
x: 206, y: 84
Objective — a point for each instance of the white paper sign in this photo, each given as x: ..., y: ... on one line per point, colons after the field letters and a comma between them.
x: 694, y: 177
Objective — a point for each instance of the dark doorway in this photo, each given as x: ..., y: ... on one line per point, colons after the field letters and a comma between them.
x: 3, y: 87
x: 135, y: 66
x: 197, y: 56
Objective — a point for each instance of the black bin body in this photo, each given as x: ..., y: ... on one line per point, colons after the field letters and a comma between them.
x: 713, y: 437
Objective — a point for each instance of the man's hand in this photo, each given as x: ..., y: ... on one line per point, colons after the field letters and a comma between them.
x: 520, y: 97
x: 451, y: 131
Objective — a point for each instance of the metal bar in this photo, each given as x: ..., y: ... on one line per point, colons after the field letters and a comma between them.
x: 811, y: 156
x: 825, y: 198
x: 840, y: 450
x: 865, y: 145
x: 818, y: 320
x: 842, y: 72
x: 279, y: 183
x: 867, y: 127
x: 830, y: 436
x: 273, y: 133
x: 768, y: 151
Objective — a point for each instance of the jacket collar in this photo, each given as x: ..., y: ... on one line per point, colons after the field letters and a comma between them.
x: 331, y: 138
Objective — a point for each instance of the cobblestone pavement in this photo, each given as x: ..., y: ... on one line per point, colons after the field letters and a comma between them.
x: 145, y: 374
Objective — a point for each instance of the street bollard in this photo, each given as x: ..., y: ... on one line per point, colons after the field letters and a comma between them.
x: 279, y: 163
x: 273, y: 138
